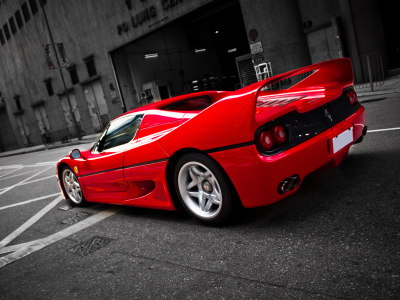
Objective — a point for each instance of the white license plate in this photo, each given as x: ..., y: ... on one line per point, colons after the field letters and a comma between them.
x: 342, y: 140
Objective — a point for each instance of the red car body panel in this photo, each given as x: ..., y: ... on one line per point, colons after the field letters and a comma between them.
x: 135, y: 173
x: 256, y: 177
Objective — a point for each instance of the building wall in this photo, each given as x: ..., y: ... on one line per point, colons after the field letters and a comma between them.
x: 100, y: 27
x: 85, y: 27
x: 281, y: 32
x: 370, y: 37
x: 319, y: 12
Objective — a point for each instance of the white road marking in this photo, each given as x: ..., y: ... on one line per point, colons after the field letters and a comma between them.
x: 29, y: 223
x: 26, y: 166
x: 47, y: 163
x: 13, y: 248
x: 10, y: 167
x: 25, y: 180
x: 30, y: 247
x: 17, y: 175
x: 2, y: 175
x: 28, y: 201
x: 387, y: 129
x: 51, y: 176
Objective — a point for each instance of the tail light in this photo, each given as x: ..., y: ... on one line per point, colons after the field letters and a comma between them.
x: 278, y: 133
x: 272, y: 137
x: 352, y: 97
x: 265, y: 140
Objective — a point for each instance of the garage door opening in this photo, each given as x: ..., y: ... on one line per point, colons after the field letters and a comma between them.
x: 195, y: 53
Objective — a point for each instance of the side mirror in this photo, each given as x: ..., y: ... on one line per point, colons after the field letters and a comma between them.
x: 74, y: 154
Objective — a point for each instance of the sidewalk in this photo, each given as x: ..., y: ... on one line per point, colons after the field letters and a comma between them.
x: 85, y: 140
x: 391, y: 86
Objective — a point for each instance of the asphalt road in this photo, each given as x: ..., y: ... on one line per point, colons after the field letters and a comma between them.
x: 338, y: 237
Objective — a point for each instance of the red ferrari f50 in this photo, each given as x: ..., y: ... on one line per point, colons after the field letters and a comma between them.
x: 212, y: 152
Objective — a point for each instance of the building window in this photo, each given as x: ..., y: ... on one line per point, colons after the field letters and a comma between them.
x: 42, y: 2
x: 18, y: 103
x: 7, y: 31
x: 2, y: 40
x: 90, y: 67
x: 12, y: 25
x: 34, y: 7
x: 25, y: 12
x: 49, y: 88
x: 74, y: 76
x: 19, y: 19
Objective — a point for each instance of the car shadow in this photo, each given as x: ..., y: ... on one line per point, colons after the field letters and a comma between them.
x: 320, y: 193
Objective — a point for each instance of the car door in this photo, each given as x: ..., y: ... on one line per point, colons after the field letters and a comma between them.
x: 101, y: 170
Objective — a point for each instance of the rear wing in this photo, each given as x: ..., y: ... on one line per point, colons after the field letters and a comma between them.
x: 233, y: 119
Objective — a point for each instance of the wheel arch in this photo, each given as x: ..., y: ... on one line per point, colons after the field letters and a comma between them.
x: 173, y: 160
x: 59, y: 175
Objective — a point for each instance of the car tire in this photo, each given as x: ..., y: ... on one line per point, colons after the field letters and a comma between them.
x: 204, y: 189
x: 72, y: 187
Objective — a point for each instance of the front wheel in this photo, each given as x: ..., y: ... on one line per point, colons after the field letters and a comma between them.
x: 72, y: 187
x: 204, y: 189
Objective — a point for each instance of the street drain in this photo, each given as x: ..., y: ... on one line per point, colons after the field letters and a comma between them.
x: 76, y: 218
x: 66, y: 207
x: 89, y: 246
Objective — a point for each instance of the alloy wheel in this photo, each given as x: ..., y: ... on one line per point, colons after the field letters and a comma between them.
x: 200, y: 190
x: 72, y: 186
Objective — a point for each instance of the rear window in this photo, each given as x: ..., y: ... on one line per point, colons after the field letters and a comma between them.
x: 192, y: 104
x: 119, y: 132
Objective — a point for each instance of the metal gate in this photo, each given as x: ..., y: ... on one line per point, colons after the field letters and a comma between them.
x: 368, y: 71
x: 246, y: 71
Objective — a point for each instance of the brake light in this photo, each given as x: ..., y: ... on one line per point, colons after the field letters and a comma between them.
x: 278, y: 133
x: 265, y: 140
x: 352, y: 97
x: 272, y: 137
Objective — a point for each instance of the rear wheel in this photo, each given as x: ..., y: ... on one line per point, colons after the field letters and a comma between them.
x: 72, y: 187
x: 204, y: 189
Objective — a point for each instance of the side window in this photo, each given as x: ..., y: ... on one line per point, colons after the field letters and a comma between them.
x: 119, y: 132
x: 193, y: 104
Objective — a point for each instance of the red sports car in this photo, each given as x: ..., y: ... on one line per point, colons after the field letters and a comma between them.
x: 212, y: 152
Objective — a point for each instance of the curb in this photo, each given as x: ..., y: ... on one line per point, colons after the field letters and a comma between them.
x: 47, y: 148
x: 377, y: 93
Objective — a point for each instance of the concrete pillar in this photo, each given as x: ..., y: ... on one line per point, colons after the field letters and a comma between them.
x: 280, y: 31
x: 363, y: 31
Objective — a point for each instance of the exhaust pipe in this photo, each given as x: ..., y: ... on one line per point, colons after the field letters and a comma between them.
x: 288, y: 184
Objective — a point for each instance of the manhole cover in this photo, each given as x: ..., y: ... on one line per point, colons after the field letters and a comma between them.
x: 89, y: 246
x: 76, y: 218
x: 66, y: 207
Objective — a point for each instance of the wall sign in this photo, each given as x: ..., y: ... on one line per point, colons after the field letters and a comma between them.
x: 170, y: 3
x: 256, y: 48
x: 253, y: 34
x: 146, y: 14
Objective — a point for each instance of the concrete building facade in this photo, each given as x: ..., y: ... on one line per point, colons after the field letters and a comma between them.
x: 126, y: 53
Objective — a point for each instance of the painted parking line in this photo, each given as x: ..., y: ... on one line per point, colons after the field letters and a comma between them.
x: 39, y: 179
x: 28, y: 201
x: 47, y: 163
x: 30, y: 247
x: 29, y: 223
x: 10, y: 167
x: 25, y: 180
x: 14, y: 248
x: 386, y: 129
x: 17, y: 175
x: 5, y: 174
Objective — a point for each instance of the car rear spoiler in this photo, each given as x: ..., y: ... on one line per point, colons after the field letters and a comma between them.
x: 232, y: 119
